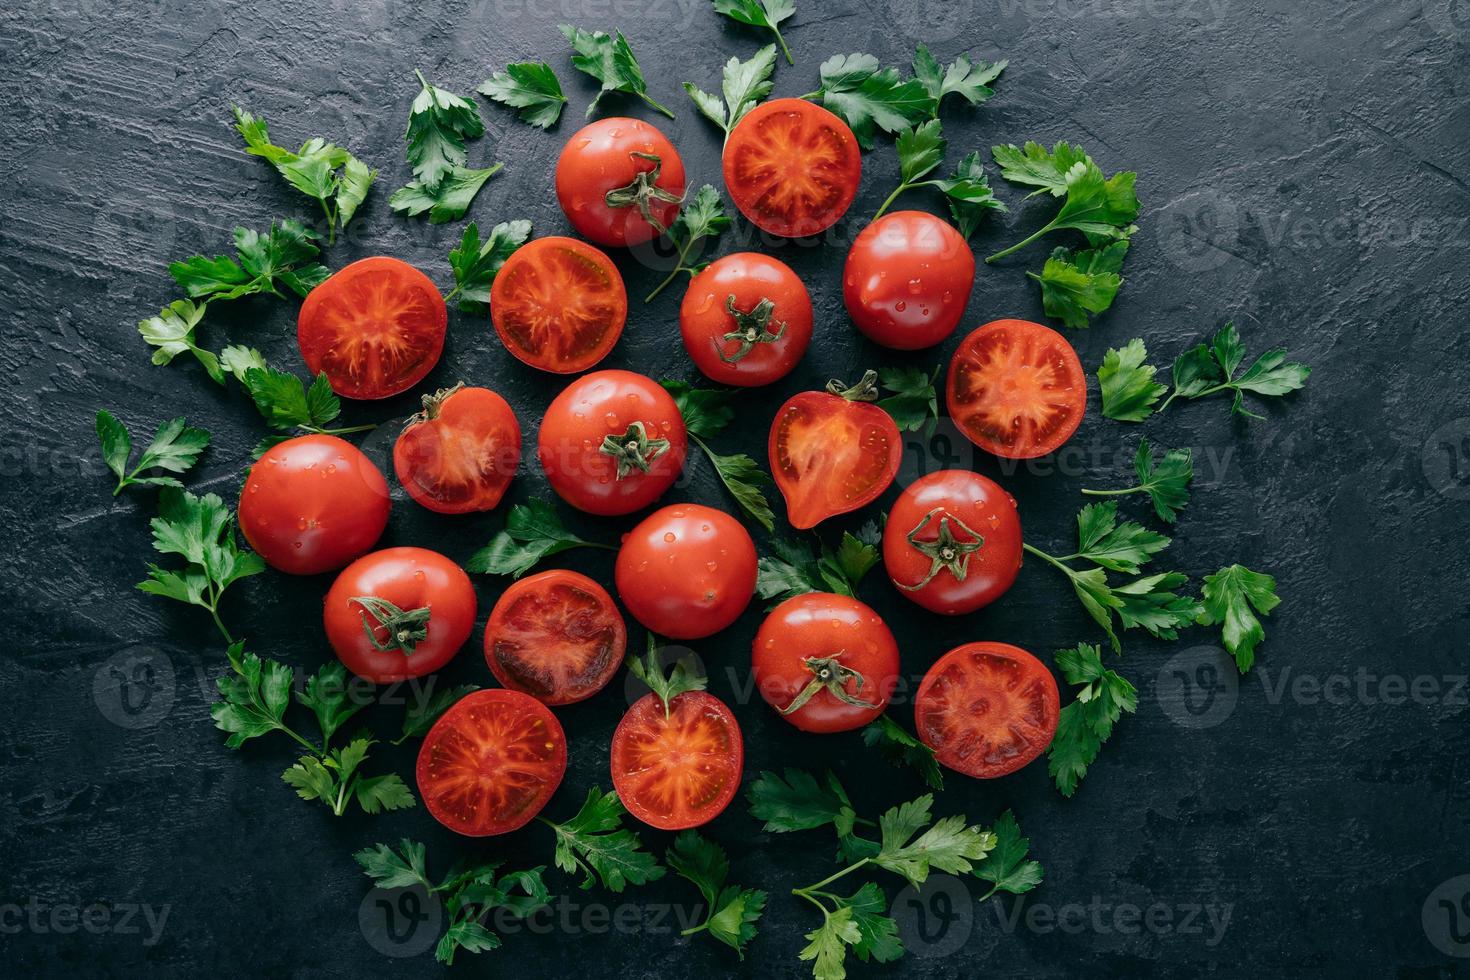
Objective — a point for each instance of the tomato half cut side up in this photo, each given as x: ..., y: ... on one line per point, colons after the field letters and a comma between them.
x: 556, y: 636
x: 491, y: 763
x: 987, y: 709
x: 559, y: 304
x: 681, y: 770
x: 792, y: 167
x: 1016, y: 389
x: 376, y: 327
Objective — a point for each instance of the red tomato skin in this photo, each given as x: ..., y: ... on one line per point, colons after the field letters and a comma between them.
x: 598, y: 159
x: 364, y: 280
x: 822, y: 624
x: 704, y: 318
x: 687, y: 571
x: 473, y: 432
x: 812, y: 498
x: 312, y: 504
x: 1036, y: 336
x: 648, y: 712
x: 495, y: 701
x: 531, y: 585
x: 590, y: 409
x: 750, y: 154
x: 907, y: 280
x: 984, y: 507
x: 410, y: 578
x: 532, y: 271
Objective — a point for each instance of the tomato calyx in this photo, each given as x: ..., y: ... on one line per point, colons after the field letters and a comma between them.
x: 832, y: 676
x: 866, y: 390
x: 633, y: 450
x: 642, y: 191
x: 682, y: 679
x: 946, y: 552
x: 434, y: 404
x: 752, y: 327
x: 406, y: 628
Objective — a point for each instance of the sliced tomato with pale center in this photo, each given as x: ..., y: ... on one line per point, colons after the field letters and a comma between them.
x: 987, y: 709
x: 559, y: 304
x: 792, y: 167
x: 681, y: 769
x: 459, y: 454
x: 376, y: 327
x: 1016, y: 389
x: 491, y: 763
x: 556, y: 636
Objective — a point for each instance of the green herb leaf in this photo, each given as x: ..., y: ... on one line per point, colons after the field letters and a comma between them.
x: 1102, y: 208
x: 609, y: 59
x: 828, y: 944
x: 1117, y: 547
x: 1033, y: 166
x: 914, y: 404
x: 533, y: 531
x: 202, y: 531
x: 326, y: 697
x: 255, y: 697
x: 424, y: 711
x: 682, y: 679
x: 879, y: 940
x: 766, y: 14
x: 1229, y: 596
x: 706, y: 411
x: 895, y: 744
x: 285, y: 403
x: 439, y: 122
x: 730, y: 912
x: 795, y: 571
x: 172, y: 332
x: 960, y: 77
x: 703, y: 216
x: 1205, y: 370
x: 449, y: 201
x: 1167, y: 484
x: 1006, y: 867
x: 798, y: 801
x: 322, y: 171
x: 1129, y: 390
x: 1086, y: 723
x: 175, y: 448
x: 969, y: 194
x: 386, y: 792
x: 476, y: 263
x: 869, y: 98
x: 531, y: 87
x: 1153, y: 603
x: 1076, y: 285
x: 745, y: 84
x: 595, y: 843
x: 920, y: 150
x: 950, y: 845
x: 404, y: 868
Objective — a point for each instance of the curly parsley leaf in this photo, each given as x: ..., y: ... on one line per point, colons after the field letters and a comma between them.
x: 1232, y: 597
x: 172, y: 333
x: 799, y: 801
x: 1034, y: 166
x: 449, y: 201
x: 175, y: 448
x: 962, y: 77
x: 533, y: 531
x: 795, y: 571
x: 532, y: 88
x: 201, y: 530
x: 731, y: 912
x: 765, y: 14
x: 439, y: 122
x: 913, y: 404
x: 1078, y: 285
x: 476, y: 263
x: 706, y: 412
x: 1205, y: 370
x: 1006, y: 866
x: 609, y: 59
x: 702, y: 217
x: 1129, y: 390
x: 896, y: 745
x: 870, y: 98
x: 1101, y: 208
x: 1086, y: 723
x: 1166, y: 483
x: 744, y: 85
x: 322, y: 171
x: 595, y: 843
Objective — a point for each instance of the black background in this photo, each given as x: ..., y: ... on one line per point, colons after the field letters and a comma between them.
x: 1302, y: 171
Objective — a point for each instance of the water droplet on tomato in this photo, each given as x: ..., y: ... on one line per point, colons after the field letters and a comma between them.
x: 670, y: 537
x: 611, y: 418
x: 712, y: 566
x: 900, y: 306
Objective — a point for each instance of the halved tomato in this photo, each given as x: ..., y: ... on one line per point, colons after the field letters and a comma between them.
x: 556, y: 636
x: 1016, y: 389
x: 458, y: 455
x: 491, y: 763
x: 559, y: 304
x: 678, y: 769
x: 792, y: 167
x: 832, y: 452
x: 376, y: 327
x: 987, y: 709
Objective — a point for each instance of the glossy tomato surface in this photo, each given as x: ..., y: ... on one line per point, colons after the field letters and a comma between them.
x: 830, y: 455
x: 1016, y: 389
x: 792, y: 167
x: 376, y: 327
x: 678, y: 770
x: 556, y: 636
x: 558, y: 304
x: 813, y: 646
x: 491, y: 763
x: 987, y: 709
x: 612, y: 442
x: 687, y: 571
x: 907, y: 280
x: 459, y: 454
x: 619, y: 181
x: 312, y: 504
x: 952, y: 543
x: 746, y: 320
x: 372, y: 592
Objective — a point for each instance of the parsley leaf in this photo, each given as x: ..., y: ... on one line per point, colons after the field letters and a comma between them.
x: 896, y: 745
x: 1006, y: 867
x: 1103, y: 209
x: 282, y: 254
x: 960, y: 77
x: 767, y: 14
x: 1129, y: 390
x: 531, y: 87
x: 1086, y: 723
x: 798, y: 801
x: 533, y: 531
x: 914, y: 404
x: 476, y: 263
x: 745, y: 84
x: 879, y: 940
x: 1229, y: 597
x: 609, y: 59
x: 730, y: 912
x: 682, y: 679
x: 1033, y: 166
x: 201, y: 530
x: 968, y: 194
x: 1204, y: 370
x: 1076, y: 285
x: 703, y: 216
x: 175, y: 448
x: 595, y: 843
x: 439, y: 122
x: 1167, y: 483
x: 255, y: 697
x: 950, y: 845
x: 795, y: 571
x: 705, y: 414
x: 172, y: 332
x: 870, y: 98
x: 425, y: 710
x: 449, y: 201
x: 828, y: 943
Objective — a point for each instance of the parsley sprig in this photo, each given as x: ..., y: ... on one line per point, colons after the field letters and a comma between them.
x: 609, y: 59
x: 1232, y: 598
x: 730, y: 912
x: 476, y: 263
x: 1166, y: 483
x: 702, y: 217
x: 530, y: 87
x: 968, y: 79
x: 1086, y: 723
x: 201, y: 530
x: 920, y: 151
x: 175, y: 448
x: 322, y: 171
x: 1102, y: 208
x: 895, y: 744
x: 286, y: 403
x: 1077, y: 285
x: 744, y: 85
x: 765, y: 14
x: 683, y: 678
x: 595, y: 844
x: 439, y: 123
x: 706, y: 414
x: 533, y: 531
x: 870, y: 98
x: 794, y: 570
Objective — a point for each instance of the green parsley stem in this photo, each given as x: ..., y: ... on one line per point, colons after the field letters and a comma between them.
x: 1058, y: 562
x: 1112, y: 493
x: 346, y: 431
x: 782, y: 41
x: 220, y: 623
x: 890, y: 199
x: 665, y: 110
x: 1022, y: 243
x: 812, y: 95
x: 678, y: 268
x: 694, y: 929
x: 809, y: 890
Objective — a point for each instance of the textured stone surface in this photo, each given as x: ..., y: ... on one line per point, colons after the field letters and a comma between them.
x: 1302, y: 171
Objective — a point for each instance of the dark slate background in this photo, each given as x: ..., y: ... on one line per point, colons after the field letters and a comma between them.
x: 1302, y: 171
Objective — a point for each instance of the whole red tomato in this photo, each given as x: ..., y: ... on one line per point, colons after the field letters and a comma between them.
x: 399, y: 613
x: 458, y: 455
x: 746, y: 320
x: 312, y: 504
x: 953, y: 542
x: 827, y: 662
x: 907, y: 280
x: 620, y: 181
x: 612, y: 442
x: 792, y: 167
x: 687, y: 571
x: 558, y: 304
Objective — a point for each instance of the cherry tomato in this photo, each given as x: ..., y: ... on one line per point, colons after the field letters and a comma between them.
x: 620, y: 181
x: 558, y: 304
x: 907, y: 280
x: 612, y: 442
x: 953, y: 542
x: 376, y: 327
x: 987, y: 709
x: 312, y: 504
x: 687, y: 571
x: 458, y: 455
x: 831, y: 452
x: 746, y: 320
x: 681, y: 769
x: 399, y: 613
x: 556, y: 636
x: 792, y: 167
x: 1016, y: 389
x: 491, y: 762
x: 827, y: 662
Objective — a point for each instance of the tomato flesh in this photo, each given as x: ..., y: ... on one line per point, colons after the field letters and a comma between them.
x: 792, y: 167
x: 830, y: 456
x: 556, y: 636
x: 459, y: 455
x: 987, y: 709
x: 559, y: 305
x: 491, y: 763
x: 1016, y: 389
x: 678, y: 771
